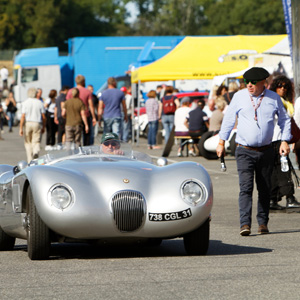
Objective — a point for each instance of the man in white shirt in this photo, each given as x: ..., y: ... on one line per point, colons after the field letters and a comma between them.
x: 33, y: 112
x: 179, y: 121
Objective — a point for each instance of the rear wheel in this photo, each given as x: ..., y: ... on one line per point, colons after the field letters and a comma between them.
x: 6, y: 241
x: 203, y: 152
x: 38, y: 234
x: 197, y: 241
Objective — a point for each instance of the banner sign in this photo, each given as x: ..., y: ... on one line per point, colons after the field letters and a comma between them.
x: 287, y: 10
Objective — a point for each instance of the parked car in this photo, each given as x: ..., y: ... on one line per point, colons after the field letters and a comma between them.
x: 85, y: 195
x: 194, y: 96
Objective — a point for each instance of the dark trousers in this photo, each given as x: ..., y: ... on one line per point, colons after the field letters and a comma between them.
x: 87, y: 136
x: 51, y: 131
x: 253, y: 164
x: 61, y: 129
x: 282, y: 182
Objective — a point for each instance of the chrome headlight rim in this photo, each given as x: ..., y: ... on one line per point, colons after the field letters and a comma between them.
x: 60, y: 205
x: 201, y: 189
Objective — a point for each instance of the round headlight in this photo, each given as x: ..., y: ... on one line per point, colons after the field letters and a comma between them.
x: 60, y: 197
x: 193, y: 192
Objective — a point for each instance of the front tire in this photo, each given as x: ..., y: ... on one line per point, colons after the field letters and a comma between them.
x: 197, y: 241
x: 7, y: 242
x: 38, y: 234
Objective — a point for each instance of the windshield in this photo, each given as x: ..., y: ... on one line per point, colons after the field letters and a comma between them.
x: 125, y: 152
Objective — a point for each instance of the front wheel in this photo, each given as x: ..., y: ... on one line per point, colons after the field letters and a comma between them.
x: 197, y: 241
x: 38, y: 234
x: 7, y: 242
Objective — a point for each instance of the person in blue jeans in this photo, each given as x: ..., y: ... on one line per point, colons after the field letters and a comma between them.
x: 11, y: 105
x: 166, y: 113
x: 152, y: 107
x: 110, y: 108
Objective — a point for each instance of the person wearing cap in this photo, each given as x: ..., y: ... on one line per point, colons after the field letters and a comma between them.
x: 255, y: 108
x: 110, y: 144
x: 179, y: 121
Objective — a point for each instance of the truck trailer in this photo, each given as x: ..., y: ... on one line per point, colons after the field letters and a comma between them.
x: 97, y: 58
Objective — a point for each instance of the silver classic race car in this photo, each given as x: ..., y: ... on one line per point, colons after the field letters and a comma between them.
x: 86, y: 195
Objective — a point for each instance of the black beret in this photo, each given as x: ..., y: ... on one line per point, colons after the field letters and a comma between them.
x: 256, y: 73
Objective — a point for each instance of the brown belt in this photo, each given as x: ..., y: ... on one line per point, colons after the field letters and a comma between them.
x: 259, y: 149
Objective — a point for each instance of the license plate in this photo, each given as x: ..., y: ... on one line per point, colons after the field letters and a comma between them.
x: 173, y: 216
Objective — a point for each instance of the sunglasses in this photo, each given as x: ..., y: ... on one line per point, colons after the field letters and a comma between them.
x: 254, y: 82
x: 280, y: 85
x: 111, y: 143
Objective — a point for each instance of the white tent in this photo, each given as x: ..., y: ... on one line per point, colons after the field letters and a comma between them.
x: 281, y: 48
x: 273, y: 59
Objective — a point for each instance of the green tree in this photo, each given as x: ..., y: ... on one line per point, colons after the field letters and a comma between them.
x: 230, y: 17
x: 172, y: 17
x: 40, y: 23
x: 208, y: 17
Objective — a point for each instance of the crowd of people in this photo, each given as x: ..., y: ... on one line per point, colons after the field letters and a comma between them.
x: 187, y: 116
x: 72, y: 118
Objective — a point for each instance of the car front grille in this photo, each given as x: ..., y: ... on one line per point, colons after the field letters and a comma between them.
x: 128, y: 209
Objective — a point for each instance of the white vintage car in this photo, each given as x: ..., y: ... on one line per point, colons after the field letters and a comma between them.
x: 85, y: 195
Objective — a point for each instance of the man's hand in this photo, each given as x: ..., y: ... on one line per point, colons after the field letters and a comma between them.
x: 284, y: 148
x: 221, y: 148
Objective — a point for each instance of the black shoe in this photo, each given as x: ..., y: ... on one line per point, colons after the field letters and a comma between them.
x: 275, y: 206
x: 291, y: 202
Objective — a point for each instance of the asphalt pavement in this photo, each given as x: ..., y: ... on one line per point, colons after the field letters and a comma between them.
x: 235, y: 267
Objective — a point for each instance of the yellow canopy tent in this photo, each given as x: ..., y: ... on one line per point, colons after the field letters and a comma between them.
x: 205, y: 57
